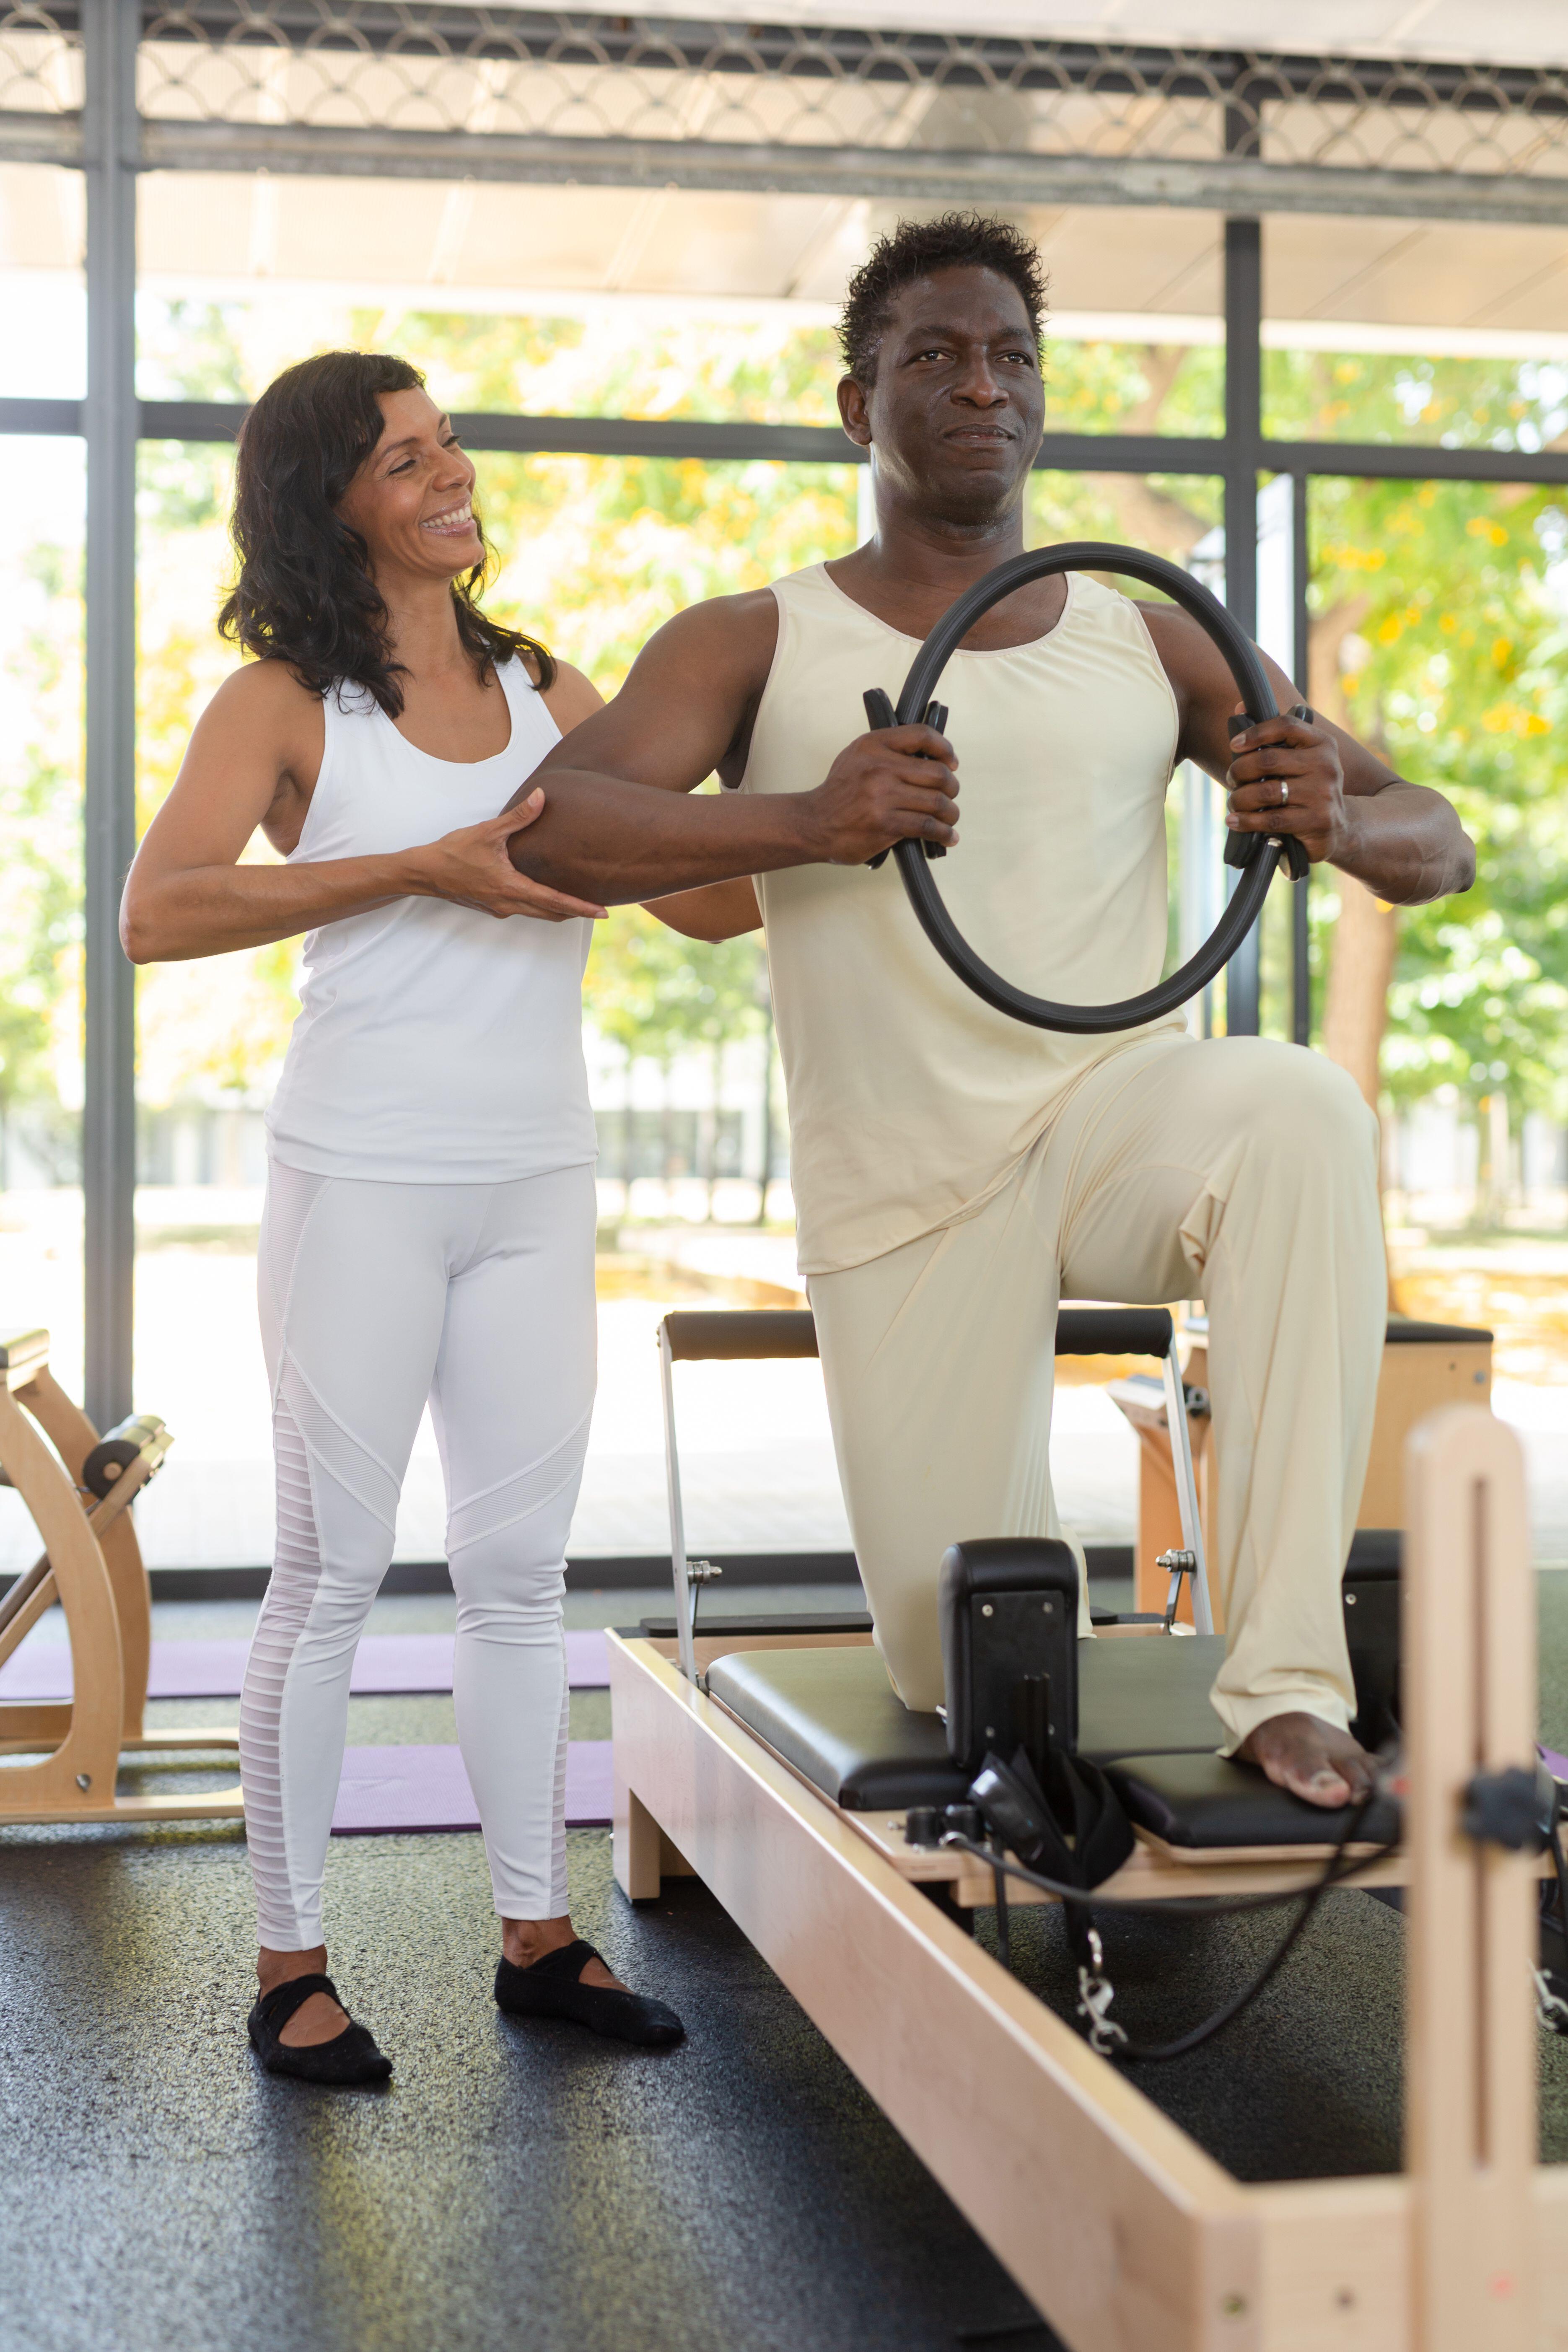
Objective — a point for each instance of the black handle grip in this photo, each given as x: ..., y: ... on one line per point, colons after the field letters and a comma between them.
x: 880, y: 712
x: 1242, y: 847
x: 1113, y: 1331
x: 936, y: 716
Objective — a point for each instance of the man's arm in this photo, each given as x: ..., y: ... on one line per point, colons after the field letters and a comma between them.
x: 724, y: 910
x: 619, y: 802
x: 1402, y: 840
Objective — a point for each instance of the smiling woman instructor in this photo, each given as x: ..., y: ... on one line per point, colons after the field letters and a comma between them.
x: 430, y: 1211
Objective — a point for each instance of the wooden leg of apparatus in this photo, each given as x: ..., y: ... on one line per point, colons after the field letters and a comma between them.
x: 635, y: 1846
x: 1470, y: 1685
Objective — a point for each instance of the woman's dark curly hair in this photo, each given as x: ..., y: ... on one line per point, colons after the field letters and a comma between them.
x: 304, y: 593
x: 916, y: 248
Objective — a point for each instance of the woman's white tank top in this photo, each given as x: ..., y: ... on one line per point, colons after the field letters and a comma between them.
x: 437, y: 1045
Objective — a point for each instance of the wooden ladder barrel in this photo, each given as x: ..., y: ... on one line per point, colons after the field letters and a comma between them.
x: 92, y: 1565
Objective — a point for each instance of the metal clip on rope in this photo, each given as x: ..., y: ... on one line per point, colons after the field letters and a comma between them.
x: 1095, y: 1994
x: 1255, y: 856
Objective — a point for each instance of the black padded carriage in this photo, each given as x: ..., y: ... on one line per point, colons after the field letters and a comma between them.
x: 1143, y: 1712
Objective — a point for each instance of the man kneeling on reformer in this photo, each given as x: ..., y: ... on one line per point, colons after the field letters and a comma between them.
x: 956, y: 1171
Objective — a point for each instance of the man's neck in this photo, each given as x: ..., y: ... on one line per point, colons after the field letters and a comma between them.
x: 911, y: 570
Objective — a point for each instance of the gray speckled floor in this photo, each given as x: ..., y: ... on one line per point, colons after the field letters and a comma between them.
x: 532, y: 2187
x: 524, y: 2186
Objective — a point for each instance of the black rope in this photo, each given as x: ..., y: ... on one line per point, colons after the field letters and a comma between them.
x: 1339, y: 1870
x: 1151, y: 2054
x: 1179, y: 1907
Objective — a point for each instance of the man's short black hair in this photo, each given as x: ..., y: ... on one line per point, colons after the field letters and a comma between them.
x: 916, y: 248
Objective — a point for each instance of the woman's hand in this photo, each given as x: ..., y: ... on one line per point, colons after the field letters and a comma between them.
x: 472, y: 868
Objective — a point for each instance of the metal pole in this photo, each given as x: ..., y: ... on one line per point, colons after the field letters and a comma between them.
x: 1243, y: 455
x: 1300, y: 892
x: 110, y: 30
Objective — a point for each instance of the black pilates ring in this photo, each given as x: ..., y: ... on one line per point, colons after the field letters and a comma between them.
x: 1257, y: 854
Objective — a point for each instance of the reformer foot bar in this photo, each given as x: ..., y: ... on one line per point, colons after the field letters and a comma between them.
x: 775, y: 1334
x: 92, y: 1566
x: 783, y: 1778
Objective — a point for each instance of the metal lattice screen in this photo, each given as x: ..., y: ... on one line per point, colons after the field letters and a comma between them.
x: 399, y: 66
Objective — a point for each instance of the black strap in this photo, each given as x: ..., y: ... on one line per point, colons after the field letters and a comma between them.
x: 277, y: 2006
x: 1079, y: 1834
x: 565, y: 1960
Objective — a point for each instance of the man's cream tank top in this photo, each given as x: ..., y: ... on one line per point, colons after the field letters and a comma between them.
x: 910, y: 1101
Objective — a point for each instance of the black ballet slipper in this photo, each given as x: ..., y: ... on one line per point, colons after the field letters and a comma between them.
x: 551, y: 1988
x: 351, y: 2057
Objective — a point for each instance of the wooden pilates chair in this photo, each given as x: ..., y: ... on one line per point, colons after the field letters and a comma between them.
x: 90, y: 1564
x: 781, y: 1770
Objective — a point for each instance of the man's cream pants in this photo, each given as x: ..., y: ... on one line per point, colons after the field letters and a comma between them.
x: 1230, y: 1169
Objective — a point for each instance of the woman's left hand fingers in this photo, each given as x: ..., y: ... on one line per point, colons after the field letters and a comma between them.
x: 554, y: 906
x: 512, y: 820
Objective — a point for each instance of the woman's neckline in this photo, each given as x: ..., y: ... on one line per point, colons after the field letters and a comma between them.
x: 467, y: 765
x: 965, y: 652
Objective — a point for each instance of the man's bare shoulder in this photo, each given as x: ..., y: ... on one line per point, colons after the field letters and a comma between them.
x: 733, y: 636
x: 1184, y: 644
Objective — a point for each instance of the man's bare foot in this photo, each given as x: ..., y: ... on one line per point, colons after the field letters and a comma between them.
x: 523, y: 1941
x: 1311, y: 1759
x: 315, y: 2020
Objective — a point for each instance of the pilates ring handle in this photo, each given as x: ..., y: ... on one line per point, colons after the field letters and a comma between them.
x: 1258, y: 854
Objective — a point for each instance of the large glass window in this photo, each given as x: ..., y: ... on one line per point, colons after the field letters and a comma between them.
x: 1135, y: 335
x: 41, y: 520
x: 1449, y: 332
x: 592, y: 554
x: 42, y: 356
x: 1436, y: 621
x: 43, y: 351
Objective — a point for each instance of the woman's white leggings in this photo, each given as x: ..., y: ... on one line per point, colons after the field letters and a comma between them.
x: 374, y: 1297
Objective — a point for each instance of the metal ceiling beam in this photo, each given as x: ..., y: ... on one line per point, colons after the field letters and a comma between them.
x: 42, y: 138
x: 1233, y: 185
x: 824, y: 445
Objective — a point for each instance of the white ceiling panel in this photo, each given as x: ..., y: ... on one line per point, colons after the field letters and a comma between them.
x: 1507, y: 32
x: 516, y: 247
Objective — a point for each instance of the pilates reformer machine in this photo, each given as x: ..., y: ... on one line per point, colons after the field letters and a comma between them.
x: 852, y: 1841
x: 841, y: 1833
x: 78, y: 1487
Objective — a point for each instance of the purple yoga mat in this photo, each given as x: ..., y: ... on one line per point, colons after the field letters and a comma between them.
x: 386, y: 1663
x: 388, y: 1788
x: 1556, y: 1765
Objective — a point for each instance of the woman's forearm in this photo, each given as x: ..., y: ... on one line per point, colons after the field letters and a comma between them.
x: 203, y: 910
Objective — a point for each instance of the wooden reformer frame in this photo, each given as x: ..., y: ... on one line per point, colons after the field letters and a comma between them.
x: 91, y: 1564
x: 1125, y: 2233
